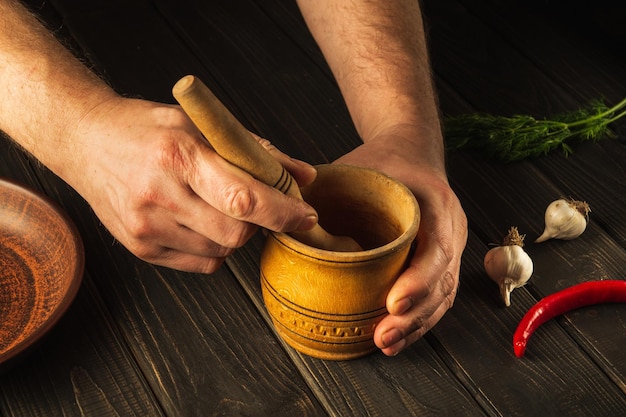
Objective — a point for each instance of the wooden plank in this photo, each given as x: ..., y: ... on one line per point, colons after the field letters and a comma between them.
x: 80, y: 368
x: 586, y: 67
x: 592, y: 172
x: 197, y: 356
x: 553, y: 379
x: 479, y: 297
x: 82, y: 365
x: 372, y: 385
x: 248, y: 65
x: 517, y: 194
x: 416, y: 383
x: 472, y: 304
x: 138, y: 57
x: 496, y: 387
x: 585, y: 70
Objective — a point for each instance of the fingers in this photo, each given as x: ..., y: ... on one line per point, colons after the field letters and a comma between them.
x: 428, y: 287
x: 238, y: 196
x: 302, y: 172
x: 165, y: 194
x: 395, y: 340
x: 186, y: 262
x: 160, y: 230
x: 194, y: 222
x: 418, y: 300
x: 415, y: 314
x: 176, y: 246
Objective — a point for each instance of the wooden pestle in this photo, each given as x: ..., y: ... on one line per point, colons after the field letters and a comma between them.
x: 232, y: 141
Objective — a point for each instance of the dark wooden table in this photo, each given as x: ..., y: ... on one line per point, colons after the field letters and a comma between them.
x: 146, y: 341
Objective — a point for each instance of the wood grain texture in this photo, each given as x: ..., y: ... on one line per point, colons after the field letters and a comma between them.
x: 83, y: 363
x: 256, y: 62
x: 197, y: 339
x: 417, y: 383
x: 591, y: 173
x: 150, y: 341
x: 520, y: 192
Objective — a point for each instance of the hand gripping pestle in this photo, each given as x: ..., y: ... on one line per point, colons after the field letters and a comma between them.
x: 232, y: 141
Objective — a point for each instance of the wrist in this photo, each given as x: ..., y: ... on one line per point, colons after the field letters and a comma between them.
x: 419, y: 144
x: 63, y: 146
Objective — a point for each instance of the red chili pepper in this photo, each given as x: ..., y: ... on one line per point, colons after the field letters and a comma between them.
x: 580, y: 295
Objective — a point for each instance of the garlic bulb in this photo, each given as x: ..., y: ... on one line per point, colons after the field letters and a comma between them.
x: 565, y: 219
x: 509, y: 265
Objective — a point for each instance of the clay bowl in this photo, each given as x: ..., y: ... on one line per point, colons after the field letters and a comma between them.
x: 41, y: 268
x: 326, y: 304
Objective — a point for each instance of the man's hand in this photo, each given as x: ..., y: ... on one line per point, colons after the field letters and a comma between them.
x: 162, y: 191
x: 427, y: 288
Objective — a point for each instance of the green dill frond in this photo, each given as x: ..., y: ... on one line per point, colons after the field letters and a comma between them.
x: 513, y: 138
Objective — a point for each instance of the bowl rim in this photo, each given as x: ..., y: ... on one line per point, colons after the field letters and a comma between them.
x: 405, y: 239
x: 76, y: 280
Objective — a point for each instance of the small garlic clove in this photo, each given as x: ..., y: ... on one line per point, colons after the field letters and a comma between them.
x: 509, y: 265
x: 565, y: 219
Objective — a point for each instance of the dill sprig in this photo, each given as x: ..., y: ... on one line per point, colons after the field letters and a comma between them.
x: 509, y: 139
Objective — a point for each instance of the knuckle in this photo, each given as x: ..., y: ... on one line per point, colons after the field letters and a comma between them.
x: 238, y: 200
x: 445, y: 251
x: 449, y: 285
x: 170, y: 156
x: 283, y: 224
x: 139, y: 229
x: 417, y: 323
x: 169, y: 153
x: 235, y: 238
x: 139, y: 233
x: 419, y: 332
x: 449, y: 300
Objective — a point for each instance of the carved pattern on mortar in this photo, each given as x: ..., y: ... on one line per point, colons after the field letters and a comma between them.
x: 360, y: 328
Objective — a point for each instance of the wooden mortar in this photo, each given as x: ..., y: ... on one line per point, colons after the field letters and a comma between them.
x: 326, y: 304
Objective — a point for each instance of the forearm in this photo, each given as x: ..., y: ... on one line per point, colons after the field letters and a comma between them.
x: 46, y: 91
x: 378, y: 54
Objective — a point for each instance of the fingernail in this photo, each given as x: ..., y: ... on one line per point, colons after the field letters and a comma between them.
x: 398, y: 347
x: 402, y: 306
x: 308, y: 222
x: 391, y: 337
